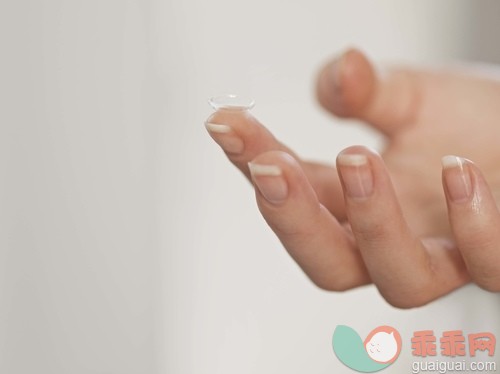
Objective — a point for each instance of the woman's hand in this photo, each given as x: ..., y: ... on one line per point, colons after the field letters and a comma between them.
x: 384, y: 218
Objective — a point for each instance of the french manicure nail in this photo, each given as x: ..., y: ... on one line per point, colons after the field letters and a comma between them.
x: 217, y: 128
x: 457, y: 178
x: 270, y: 182
x: 225, y: 137
x: 356, y: 175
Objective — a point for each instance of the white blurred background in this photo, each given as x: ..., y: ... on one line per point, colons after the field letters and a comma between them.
x: 128, y: 244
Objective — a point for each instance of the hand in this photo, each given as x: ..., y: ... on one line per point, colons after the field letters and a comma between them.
x: 384, y: 218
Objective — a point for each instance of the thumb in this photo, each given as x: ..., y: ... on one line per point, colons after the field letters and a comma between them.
x: 349, y: 87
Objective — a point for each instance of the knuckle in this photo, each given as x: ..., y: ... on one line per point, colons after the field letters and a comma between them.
x: 370, y: 231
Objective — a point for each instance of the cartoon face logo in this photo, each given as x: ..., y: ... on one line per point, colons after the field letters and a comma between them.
x: 382, y: 347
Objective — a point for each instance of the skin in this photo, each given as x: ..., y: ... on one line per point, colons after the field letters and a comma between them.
x: 409, y: 236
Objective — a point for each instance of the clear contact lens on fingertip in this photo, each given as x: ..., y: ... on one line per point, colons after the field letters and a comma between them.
x: 231, y: 102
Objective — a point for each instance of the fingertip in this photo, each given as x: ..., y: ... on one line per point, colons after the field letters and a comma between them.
x: 283, y: 192
x: 474, y: 219
x: 457, y: 178
x: 241, y: 136
x: 360, y: 149
x: 269, y: 174
x: 351, y: 87
x: 360, y: 168
x: 273, y: 168
x: 345, y: 85
x: 368, y: 192
x: 359, y: 81
x: 280, y: 159
x: 240, y: 122
x: 356, y: 174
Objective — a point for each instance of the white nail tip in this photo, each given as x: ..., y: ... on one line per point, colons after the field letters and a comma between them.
x: 264, y: 170
x: 215, y: 127
x: 352, y: 160
x: 452, y: 161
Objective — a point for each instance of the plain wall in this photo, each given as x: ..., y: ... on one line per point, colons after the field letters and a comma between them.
x: 128, y: 244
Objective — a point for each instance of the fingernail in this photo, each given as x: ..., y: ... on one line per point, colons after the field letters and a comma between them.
x: 335, y: 73
x: 226, y: 137
x: 356, y: 175
x: 270, y: 182
x: 457, y: 178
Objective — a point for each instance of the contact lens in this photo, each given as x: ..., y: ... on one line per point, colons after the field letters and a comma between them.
x: 231, y: 102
